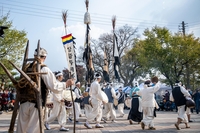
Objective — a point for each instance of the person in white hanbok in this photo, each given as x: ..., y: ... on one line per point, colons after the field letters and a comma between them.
x: 28, y: 118
x: 96, y: 102
x: 59, y: 110
x: 78, y: 100
x: 148, y: 103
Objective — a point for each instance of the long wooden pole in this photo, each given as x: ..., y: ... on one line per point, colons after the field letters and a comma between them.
x: 39, y: 95
x: 16, y: 104
x: 64, y: 16
x: 113, y: 24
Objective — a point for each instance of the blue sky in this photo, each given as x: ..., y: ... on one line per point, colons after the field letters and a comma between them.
x: 41, y: 19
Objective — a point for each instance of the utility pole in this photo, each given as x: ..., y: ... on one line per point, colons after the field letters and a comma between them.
x: 187, y: 60
x: 183, y: 28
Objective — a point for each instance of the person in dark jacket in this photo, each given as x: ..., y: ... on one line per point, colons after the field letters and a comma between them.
x: 108, y: 107
x: 87, y: 105
x: 179, y: 95
x: 135, y: 114
x: 196, y: 97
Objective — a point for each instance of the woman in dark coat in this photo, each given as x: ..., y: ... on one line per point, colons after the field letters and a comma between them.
x: 135, y: 114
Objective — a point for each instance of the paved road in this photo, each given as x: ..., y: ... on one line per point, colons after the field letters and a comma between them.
x: 164, y: 122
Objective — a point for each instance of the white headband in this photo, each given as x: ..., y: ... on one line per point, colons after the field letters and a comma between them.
x: 59, y: 74
x: 78, y: 83
x: 98, y: 77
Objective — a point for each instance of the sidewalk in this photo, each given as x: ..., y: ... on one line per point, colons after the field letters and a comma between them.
x: 164, y: 122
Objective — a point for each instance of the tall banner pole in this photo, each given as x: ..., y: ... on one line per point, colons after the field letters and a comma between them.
x: 70, y: 55
x: 87, y: 56
x: 115, y: 52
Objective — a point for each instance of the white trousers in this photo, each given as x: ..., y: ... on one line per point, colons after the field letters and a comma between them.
x: 108, y: 109
x: 69, y: 112
x: 88, y: 109
x: 96, y: 111
x: 28, y: 120
x: 148, y: 116
x: 182, y: 114
x: 188, y: 111
x: 121, y: 109
x: 59, y: 112
x: 77, y: 110
x: 46, y: 113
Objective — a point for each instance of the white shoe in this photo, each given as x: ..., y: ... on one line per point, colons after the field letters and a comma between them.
x: 64, y: 129
x: 87, y: 125
x: 99, y: 126
x: 47, y: 126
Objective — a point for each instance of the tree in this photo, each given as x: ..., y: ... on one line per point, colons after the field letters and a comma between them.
x: 169, y: 53
x: 126, y: 36
x: 12, y: 46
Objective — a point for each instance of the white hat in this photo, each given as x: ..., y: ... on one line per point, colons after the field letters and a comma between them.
x: 43, y: 52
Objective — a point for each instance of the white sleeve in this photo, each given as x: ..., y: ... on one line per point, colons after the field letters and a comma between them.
x: 140, y: 91
x: 154, y: 88
x: 51, y: 82
x: 91, y: 89
x: 185, y: 92
x: 118, y: 95
x: 113, y: 93
x: 171, y: 98
x: 76, y: 91
x: 98, y: 88
x: 90, y: 92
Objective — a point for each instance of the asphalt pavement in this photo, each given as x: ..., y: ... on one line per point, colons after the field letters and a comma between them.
x: 164, y: 123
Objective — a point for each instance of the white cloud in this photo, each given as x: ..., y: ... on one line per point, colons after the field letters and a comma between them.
x: 96, y: 32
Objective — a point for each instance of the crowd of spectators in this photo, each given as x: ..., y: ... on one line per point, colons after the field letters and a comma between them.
x: 167, y: 105
x: 7, y: 100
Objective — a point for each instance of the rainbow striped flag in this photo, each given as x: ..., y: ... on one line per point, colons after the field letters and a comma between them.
x: 67, y: 39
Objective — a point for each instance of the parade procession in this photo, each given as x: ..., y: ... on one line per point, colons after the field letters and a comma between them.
x: 80, y: 77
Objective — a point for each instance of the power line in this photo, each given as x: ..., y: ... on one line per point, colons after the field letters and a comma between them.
x: 102, y: 16
x: 29, y: 9
x: 50, y: 15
